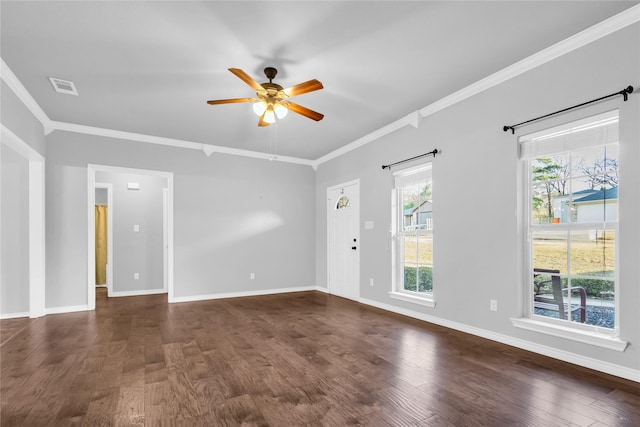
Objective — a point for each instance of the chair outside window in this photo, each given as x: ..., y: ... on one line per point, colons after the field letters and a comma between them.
x: 549, y: 295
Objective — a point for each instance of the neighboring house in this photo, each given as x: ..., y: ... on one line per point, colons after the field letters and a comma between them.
x: 588, y: 206
x: 419, y: 216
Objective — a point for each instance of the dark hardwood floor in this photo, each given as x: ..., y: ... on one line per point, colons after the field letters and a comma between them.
x: 300, y: 359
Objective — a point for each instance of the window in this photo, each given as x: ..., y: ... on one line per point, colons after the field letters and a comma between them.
x: 572, y: 224
x: 412, y: 207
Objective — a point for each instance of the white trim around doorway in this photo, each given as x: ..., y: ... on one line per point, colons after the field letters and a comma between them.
x: 330, y: 288
x: 36, y: 221
x: 91, y: 238
x: 109, y: 187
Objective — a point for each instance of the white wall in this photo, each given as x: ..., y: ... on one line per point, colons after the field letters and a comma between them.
x: 101, y: 196
x: 136, y: 252
x: 478, y: 237
x: 232, y: 216
x: 14, y: 251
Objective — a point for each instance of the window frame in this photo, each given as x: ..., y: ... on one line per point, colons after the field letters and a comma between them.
x: 402, y: 179
x: 575, y: 331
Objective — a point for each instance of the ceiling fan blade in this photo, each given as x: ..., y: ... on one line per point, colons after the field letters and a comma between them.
x: 261, y: 121
x: 296, y: 108
x: 230, y: 101
x: 246, y: 78
x: 306, y: 87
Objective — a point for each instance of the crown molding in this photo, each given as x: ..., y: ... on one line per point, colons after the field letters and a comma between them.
x: 608, y: 26
x: 207, y: 149
x: 14, y: 142
x: 386, y: 130
x: 50, y: 125
x: 23, y: 95
x: 591, y: 34
x: 578, y: 40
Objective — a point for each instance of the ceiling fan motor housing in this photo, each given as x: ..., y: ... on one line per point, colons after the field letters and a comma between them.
x: 273, y: 93
x: 271, y: 73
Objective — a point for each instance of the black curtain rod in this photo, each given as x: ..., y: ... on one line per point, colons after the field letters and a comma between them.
x: 430, y: 153
x: 624, y: 92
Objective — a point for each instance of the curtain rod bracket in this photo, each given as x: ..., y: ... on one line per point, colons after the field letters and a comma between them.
x: 624, y: 92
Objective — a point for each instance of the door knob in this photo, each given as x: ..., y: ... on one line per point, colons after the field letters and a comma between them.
x: 353, y: 247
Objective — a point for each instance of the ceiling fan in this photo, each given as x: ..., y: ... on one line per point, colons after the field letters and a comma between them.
x: 272, y: 100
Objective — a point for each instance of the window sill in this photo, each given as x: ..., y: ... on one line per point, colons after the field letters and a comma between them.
x: 586, y: 337
x: 413, y: 299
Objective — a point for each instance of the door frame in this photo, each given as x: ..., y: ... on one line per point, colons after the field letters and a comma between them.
x: 165, y: 239
x: 36, y: 219
x: 109, y: 187
x: 355, y: 182
x: 91, y: 224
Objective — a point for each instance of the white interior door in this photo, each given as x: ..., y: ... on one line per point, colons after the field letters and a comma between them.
x: 343, y: 242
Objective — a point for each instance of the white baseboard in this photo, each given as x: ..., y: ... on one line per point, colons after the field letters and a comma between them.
x: 137, y: 293
x: 67, y: 309
x: 565, y: 356
x: 241, y: 294
x: 14, y: 315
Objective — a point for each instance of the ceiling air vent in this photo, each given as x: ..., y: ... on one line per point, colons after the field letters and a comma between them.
x: 63, y: 86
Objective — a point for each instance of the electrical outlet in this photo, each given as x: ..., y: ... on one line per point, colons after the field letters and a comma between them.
x: 493, y: 305
x: 252, y: 276
x: 136, y: 276
x: 371, y: 282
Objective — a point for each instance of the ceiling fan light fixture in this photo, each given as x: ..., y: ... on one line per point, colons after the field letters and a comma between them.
x: 271, y: 99
x: 269, y: 116
x: 259, y: 108
x: 281, y: 111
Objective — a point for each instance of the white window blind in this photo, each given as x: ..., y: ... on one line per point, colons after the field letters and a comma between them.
x: 412, y: 175
x: 592, y: 132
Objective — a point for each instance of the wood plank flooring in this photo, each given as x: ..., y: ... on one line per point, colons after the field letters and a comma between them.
x: 299, y: 359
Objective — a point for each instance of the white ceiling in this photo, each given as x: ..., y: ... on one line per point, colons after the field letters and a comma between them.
x: 149, y: 67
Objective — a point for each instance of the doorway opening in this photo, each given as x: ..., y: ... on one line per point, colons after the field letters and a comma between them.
x: 35, y: 252
x: 104, y: 235
x: 139, y: 239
